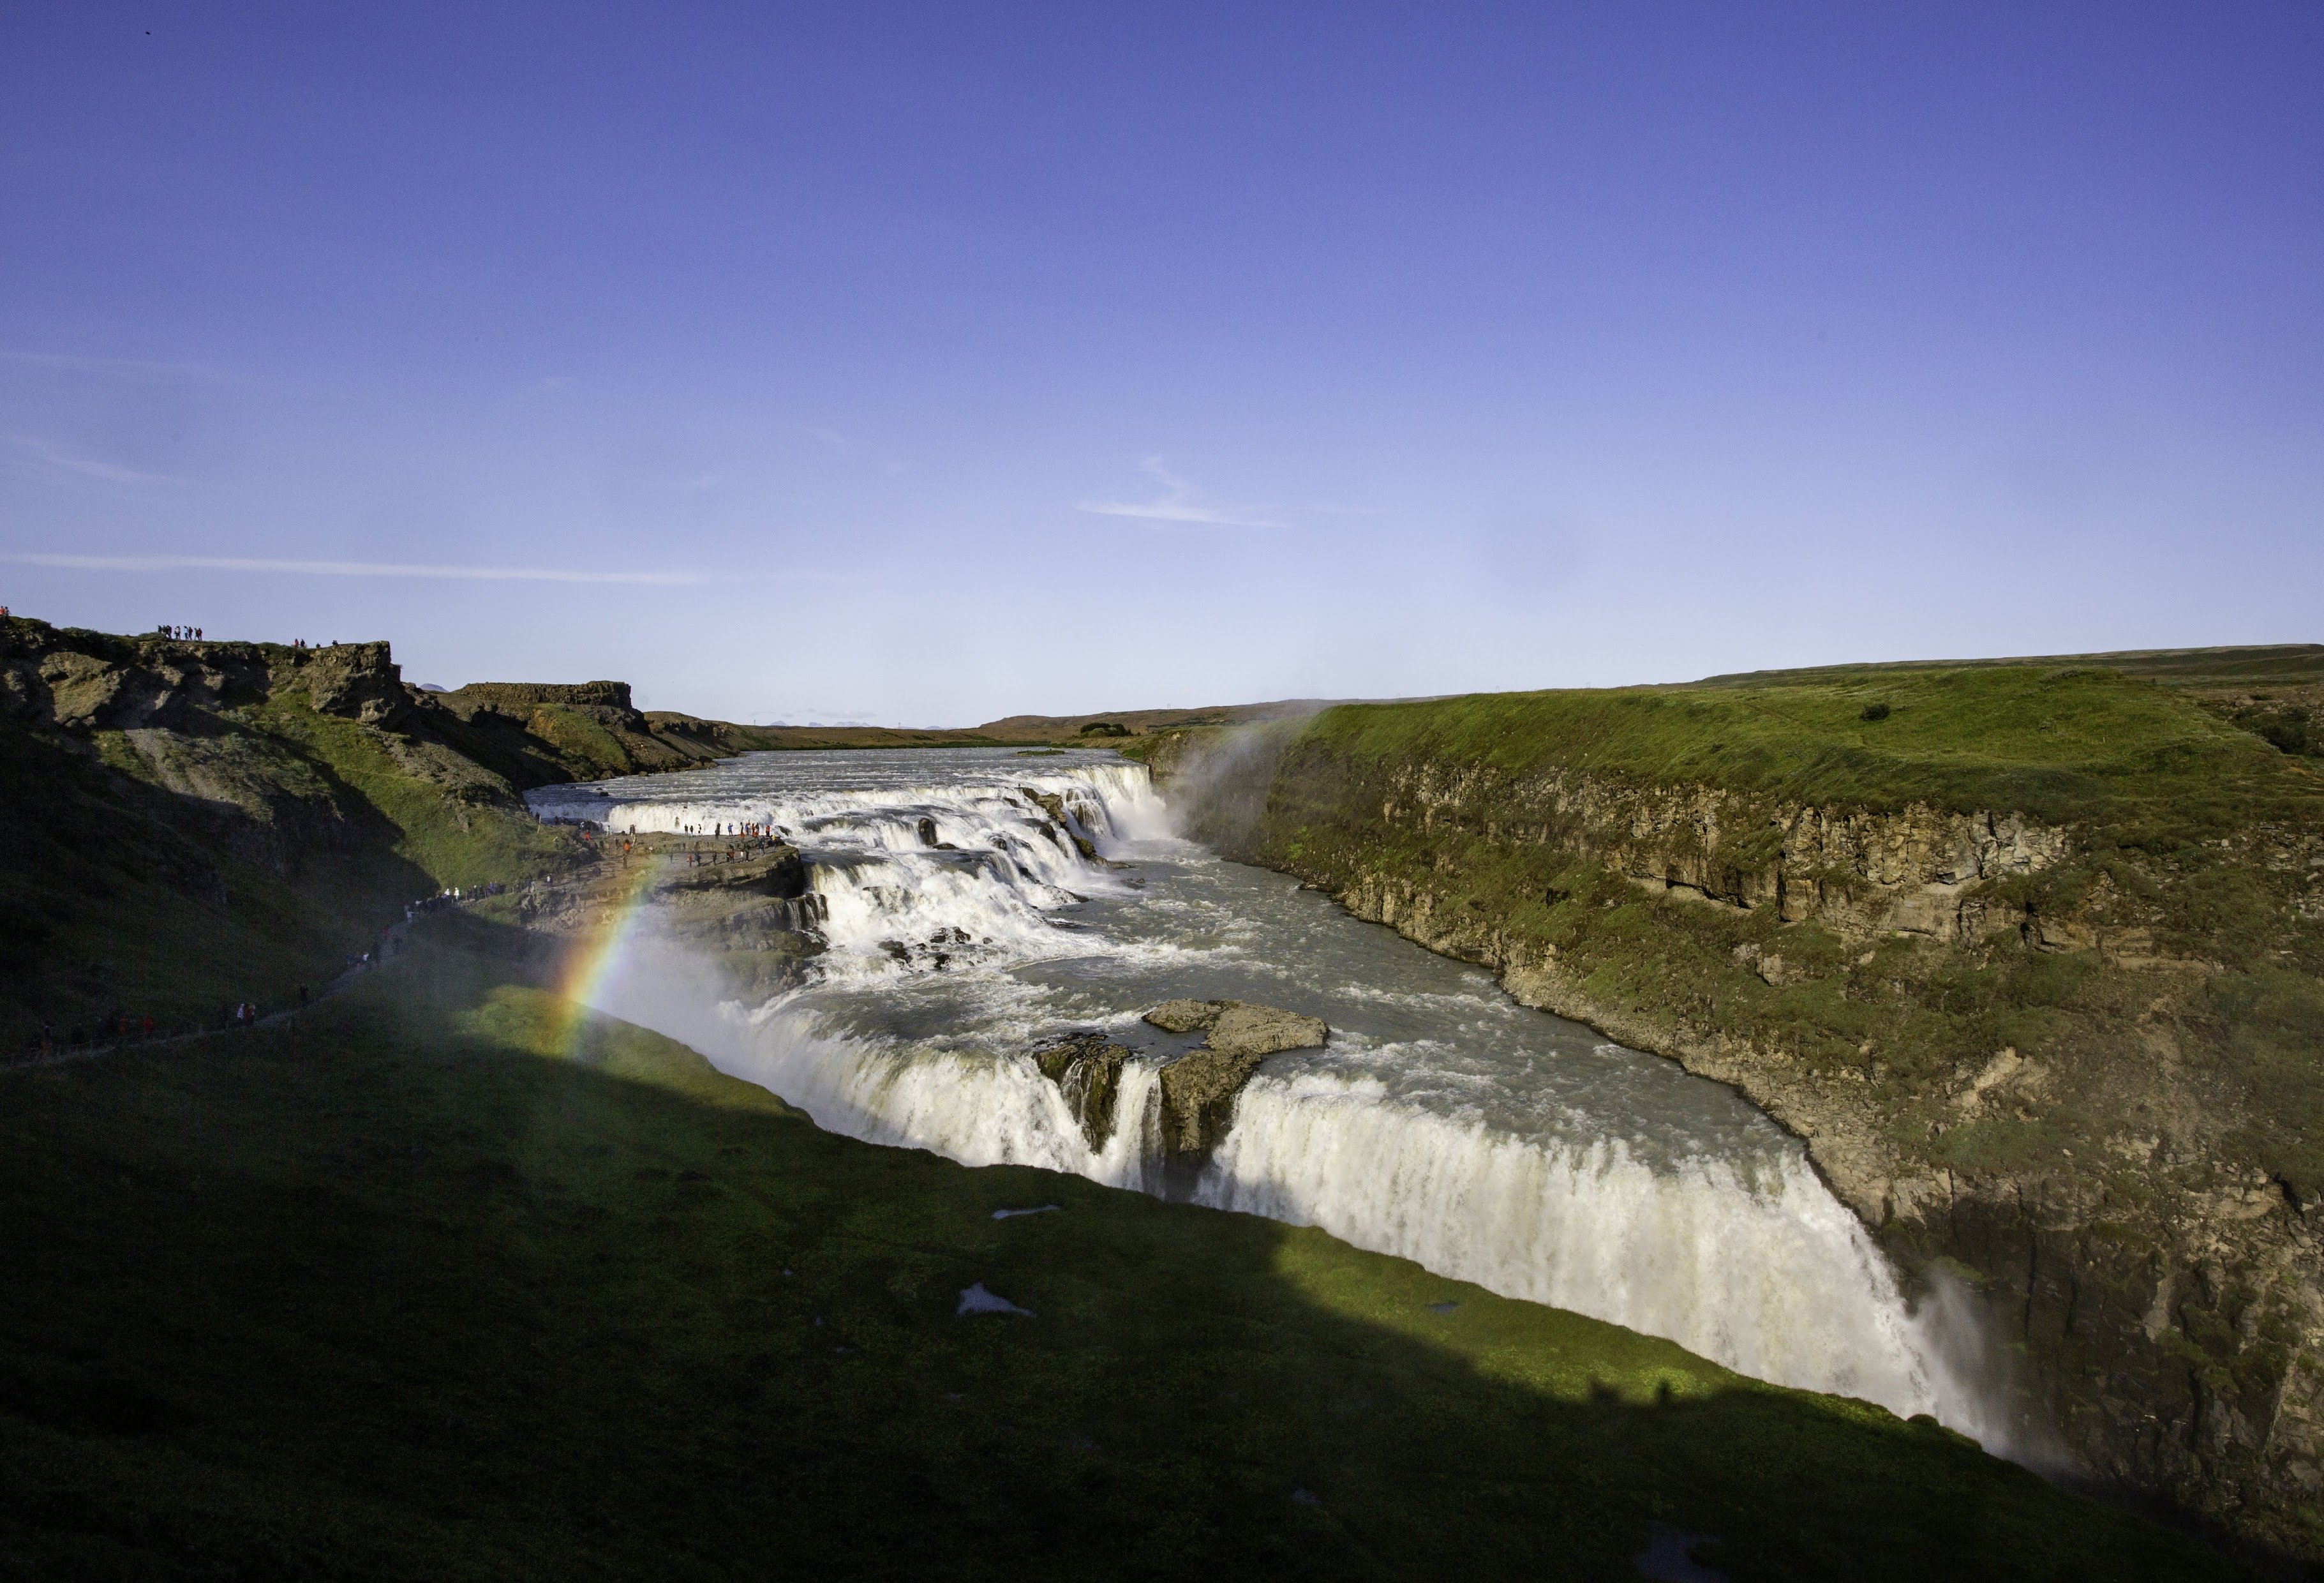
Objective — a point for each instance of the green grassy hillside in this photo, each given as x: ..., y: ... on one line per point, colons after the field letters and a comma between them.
x: 448, y: 1281
x: 2245, y: 665
x: 2062, y: 745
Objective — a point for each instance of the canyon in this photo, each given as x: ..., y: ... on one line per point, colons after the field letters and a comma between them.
x: 2061, y: 1046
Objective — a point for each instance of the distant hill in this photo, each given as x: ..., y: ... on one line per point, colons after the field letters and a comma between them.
x: 2258, y: 665
x: 1140, y: 722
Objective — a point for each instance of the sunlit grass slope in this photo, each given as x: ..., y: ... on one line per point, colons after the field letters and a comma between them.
x: 449, y: 1281
x: 2060, y: 743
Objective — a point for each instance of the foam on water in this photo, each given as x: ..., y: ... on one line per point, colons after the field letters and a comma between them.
x: 1445, y: 1123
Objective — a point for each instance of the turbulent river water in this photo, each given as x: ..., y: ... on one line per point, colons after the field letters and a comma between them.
x: 1442, y: 1122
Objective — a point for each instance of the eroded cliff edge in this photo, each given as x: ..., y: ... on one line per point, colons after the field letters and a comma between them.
x: 2029, y: 958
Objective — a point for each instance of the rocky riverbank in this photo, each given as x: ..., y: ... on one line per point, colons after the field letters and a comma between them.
x: 2052, y: 1045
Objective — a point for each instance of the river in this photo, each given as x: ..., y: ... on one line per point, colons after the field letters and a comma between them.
x: 1442, y: 1122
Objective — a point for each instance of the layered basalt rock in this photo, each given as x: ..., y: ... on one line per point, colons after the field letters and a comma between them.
x: 592, y: 726
x: 1198, y: 1098
x: 1199, y: 1089
x: 756, y: 919
x: 757, y: 915
x: 359, y: 682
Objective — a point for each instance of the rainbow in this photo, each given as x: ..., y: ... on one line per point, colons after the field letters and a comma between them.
x: 598, y: 950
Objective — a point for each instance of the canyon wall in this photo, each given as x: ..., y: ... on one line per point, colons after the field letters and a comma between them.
x: 2077, y: 1074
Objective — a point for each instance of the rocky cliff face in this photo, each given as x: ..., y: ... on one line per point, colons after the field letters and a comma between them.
x: 2005, y: 1049
x: 542, y: 732
x: 752, y: 916
x: 177, y: 714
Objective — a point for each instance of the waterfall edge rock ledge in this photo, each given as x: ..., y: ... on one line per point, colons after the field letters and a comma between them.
x: 1200, y: 1087
x: 1197, y: 1091
x: 1087, y: 1067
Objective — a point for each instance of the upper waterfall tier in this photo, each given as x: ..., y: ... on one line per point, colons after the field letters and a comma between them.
x: 924, y: 860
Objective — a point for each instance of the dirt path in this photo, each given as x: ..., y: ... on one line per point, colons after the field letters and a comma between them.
x: 393, y: 940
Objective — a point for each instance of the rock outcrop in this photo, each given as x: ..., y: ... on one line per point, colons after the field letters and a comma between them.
x: 1198, y: 1098
x: 1195, y: 1093
x: 588, y: 729
x: 754, y: 920
x: 359, y: 682
x: 756, y: 916
x: 1068, y: 818
x: 1087, y: 1067
x: 1236, y: 1028
x: 92, y: 682
x: 1199, y: 1089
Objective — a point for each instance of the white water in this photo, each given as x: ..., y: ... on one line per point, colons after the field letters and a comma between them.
x: 1443, y: 1123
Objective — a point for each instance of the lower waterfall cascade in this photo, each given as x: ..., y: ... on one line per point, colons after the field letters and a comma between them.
x: 975, y: 903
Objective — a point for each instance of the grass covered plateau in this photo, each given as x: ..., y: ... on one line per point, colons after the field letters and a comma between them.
x: 2061, y: 745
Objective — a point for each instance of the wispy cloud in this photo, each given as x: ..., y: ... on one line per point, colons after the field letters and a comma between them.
x: 394, y: 569
x: 375, y: 569
x: 57, y: 456
x: 120, y: 367
x: 1176, y: 504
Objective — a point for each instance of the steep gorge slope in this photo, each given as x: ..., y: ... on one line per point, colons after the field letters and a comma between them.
x: 2029, y: 956
x: 200, y: 823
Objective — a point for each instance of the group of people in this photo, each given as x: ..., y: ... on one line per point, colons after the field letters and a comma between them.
x: 740, y: 847
x: 449, y: 896
x: 120, y: 1028
x: 194, y: 634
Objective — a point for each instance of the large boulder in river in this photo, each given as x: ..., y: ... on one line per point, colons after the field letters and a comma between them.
x: 1238, y: 1028
x: 1199, y: 1089
x: 1198, y: 1097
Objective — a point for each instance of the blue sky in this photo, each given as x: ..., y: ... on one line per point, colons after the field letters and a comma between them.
x: 923, y: 364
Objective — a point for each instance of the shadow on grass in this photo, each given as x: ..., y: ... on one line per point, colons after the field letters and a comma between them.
x: 451, y: 1279
x: 118, y: 895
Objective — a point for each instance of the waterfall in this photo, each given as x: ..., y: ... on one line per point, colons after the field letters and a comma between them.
x: 964, y: 923
x: 1760, y: 1269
